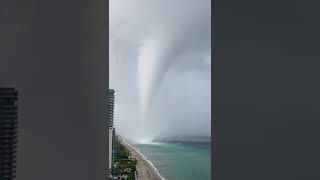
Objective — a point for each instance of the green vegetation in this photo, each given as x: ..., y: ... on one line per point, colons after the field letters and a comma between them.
x: 120, y: 151
x: 123, y: 164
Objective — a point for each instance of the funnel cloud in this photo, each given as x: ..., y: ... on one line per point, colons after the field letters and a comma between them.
x: 160, y: 59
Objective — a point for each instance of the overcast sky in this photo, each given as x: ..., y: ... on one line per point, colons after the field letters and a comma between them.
x: 160, y: 67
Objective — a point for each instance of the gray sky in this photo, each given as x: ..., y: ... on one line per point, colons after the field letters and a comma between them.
x: 160, y: 67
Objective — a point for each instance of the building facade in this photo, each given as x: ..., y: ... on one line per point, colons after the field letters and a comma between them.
x: 111, y: 107
x: 8, y: 132
x: 111, y: 148
x: 111, y: 128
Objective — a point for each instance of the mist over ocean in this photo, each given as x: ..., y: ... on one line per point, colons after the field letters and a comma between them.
x: 179, y: 159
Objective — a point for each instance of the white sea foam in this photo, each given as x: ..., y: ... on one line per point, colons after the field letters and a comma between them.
x: 152, y: 143
x: 149, y: 162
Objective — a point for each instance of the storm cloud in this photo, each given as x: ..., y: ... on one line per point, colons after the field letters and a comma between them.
x: 160, y: 59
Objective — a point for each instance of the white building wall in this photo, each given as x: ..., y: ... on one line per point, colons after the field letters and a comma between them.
x: 110, y: 147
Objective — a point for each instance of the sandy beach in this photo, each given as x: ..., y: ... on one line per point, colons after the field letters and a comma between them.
x: 145, y: 170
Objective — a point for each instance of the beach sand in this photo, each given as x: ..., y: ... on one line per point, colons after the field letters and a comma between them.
x: 145, y: 170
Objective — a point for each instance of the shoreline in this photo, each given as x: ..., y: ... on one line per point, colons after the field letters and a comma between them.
x: 146, y: 170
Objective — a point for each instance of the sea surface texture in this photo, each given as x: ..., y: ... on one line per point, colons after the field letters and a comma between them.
x: 179, y: 160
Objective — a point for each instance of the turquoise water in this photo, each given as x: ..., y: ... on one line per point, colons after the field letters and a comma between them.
x: 179, y: 160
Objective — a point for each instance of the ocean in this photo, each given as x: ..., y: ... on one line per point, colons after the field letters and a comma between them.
x: 179, y: 160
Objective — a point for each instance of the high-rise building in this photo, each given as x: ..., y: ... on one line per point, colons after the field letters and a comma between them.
x: 8, y: 133
x: 111, y: 107
x: 111, y: 128
x: 113, y: 143
x: 111, y: 148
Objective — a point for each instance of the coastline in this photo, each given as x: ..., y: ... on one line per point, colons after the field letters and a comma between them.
x: 146, y: 171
